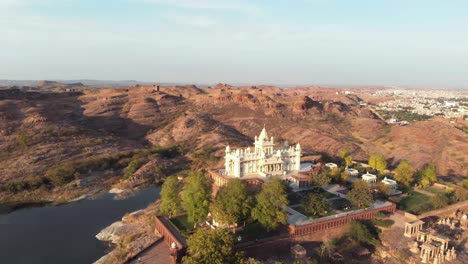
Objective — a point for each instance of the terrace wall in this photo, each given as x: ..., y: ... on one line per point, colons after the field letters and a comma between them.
x: 320, y: 225
x: 170, y: 234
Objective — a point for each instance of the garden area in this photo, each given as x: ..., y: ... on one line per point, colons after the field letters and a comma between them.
x: 254, y: 230
x: 297, y: 197
x: 183, y: 225
x: 414, y: 202
x: 341, y: 204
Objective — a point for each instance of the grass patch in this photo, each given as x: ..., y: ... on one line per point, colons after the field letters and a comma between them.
x: 383, y: 222
x: 254, y: 231
x: 415, y: 203
x: 182, y: 224
x: 327, y: 195
x: 340, y: 204
x: 435, y: 190
x: 301, y: 210
x: 294, y: 198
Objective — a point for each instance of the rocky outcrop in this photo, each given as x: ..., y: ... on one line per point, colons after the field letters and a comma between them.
x: 305, y: 104
x: 133, y: 234
x: 114, y: 232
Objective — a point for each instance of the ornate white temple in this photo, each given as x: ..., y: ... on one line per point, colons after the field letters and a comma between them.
x: 263, y: 160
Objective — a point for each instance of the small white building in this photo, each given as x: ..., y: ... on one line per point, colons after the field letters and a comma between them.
x: 352, y: 172
x: 331, y: 166
x: 370, y: 178
x: 392, y: 185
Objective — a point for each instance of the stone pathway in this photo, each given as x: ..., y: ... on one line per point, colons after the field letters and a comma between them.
x: 424, y: 192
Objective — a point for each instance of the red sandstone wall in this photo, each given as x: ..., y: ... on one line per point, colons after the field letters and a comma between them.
x: 336, y: 222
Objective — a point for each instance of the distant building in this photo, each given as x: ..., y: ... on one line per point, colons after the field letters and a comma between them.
x: 254, y: 165
x: 263, y: 160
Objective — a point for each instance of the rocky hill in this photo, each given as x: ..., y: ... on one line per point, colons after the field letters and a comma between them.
x: 39, y: 130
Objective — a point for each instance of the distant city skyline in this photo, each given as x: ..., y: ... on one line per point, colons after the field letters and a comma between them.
x: 297, y: 42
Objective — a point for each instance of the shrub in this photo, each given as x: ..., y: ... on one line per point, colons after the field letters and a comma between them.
x: 383, y: 222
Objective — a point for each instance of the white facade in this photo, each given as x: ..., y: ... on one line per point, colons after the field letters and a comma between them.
x: 331, y: 166
x: 392, y: 185
x: 352, y: 172
x: 370, y: 178
x: 263, y: 160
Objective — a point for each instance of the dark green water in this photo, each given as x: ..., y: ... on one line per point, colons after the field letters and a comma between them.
x: 66, y: 233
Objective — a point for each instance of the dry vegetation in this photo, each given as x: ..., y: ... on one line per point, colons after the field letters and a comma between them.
x: 95, y: 133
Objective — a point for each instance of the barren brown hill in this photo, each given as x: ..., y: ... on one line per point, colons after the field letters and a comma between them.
x: 41, y: 130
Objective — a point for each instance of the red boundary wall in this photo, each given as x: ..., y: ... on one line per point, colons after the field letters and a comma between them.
x: 321, y: 225
x: 170, y: 234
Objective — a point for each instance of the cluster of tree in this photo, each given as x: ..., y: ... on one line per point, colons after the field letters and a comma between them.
x: 360, y: 195
x: 316, y: 204
x: 232, y: 204
x: 363, y: 232
x: 346, y: 156
x: 170, y: 200
x: 427, y: 176
x: 196, y: 197
x: 212, y: 246
x: 271, y: 203
x: 30, y: 183
x: 406, y: 174
x: 377, y: 162
x: 322, y: 178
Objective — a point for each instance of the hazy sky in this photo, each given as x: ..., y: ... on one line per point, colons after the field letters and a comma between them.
x: 392, y: 42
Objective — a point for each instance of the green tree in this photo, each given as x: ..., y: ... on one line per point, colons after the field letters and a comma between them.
x: 321, y: 179
x: 383, y: 189
x: 465, y: 184
x: 346, y: 156
x: 378, y: 162
x: 345, y: 176
x: 360, y: 195
x: 211, y: 246
x: 359, y: 232
x: 271, y: 204
x: 404, y: 173
x: 232, y: 204
x: 335, y: 174
x: 196, y: 196
x: 427, y: 176
x: 439, y: 200
x: 316, y: 204
x: 170, y: 201
x: 327, y: 248
x: 61, y: 174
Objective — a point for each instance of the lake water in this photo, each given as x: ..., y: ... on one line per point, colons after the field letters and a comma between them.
x: 64, y: 234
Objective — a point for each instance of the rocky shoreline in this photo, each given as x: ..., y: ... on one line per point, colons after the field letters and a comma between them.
x: 130, y: 236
